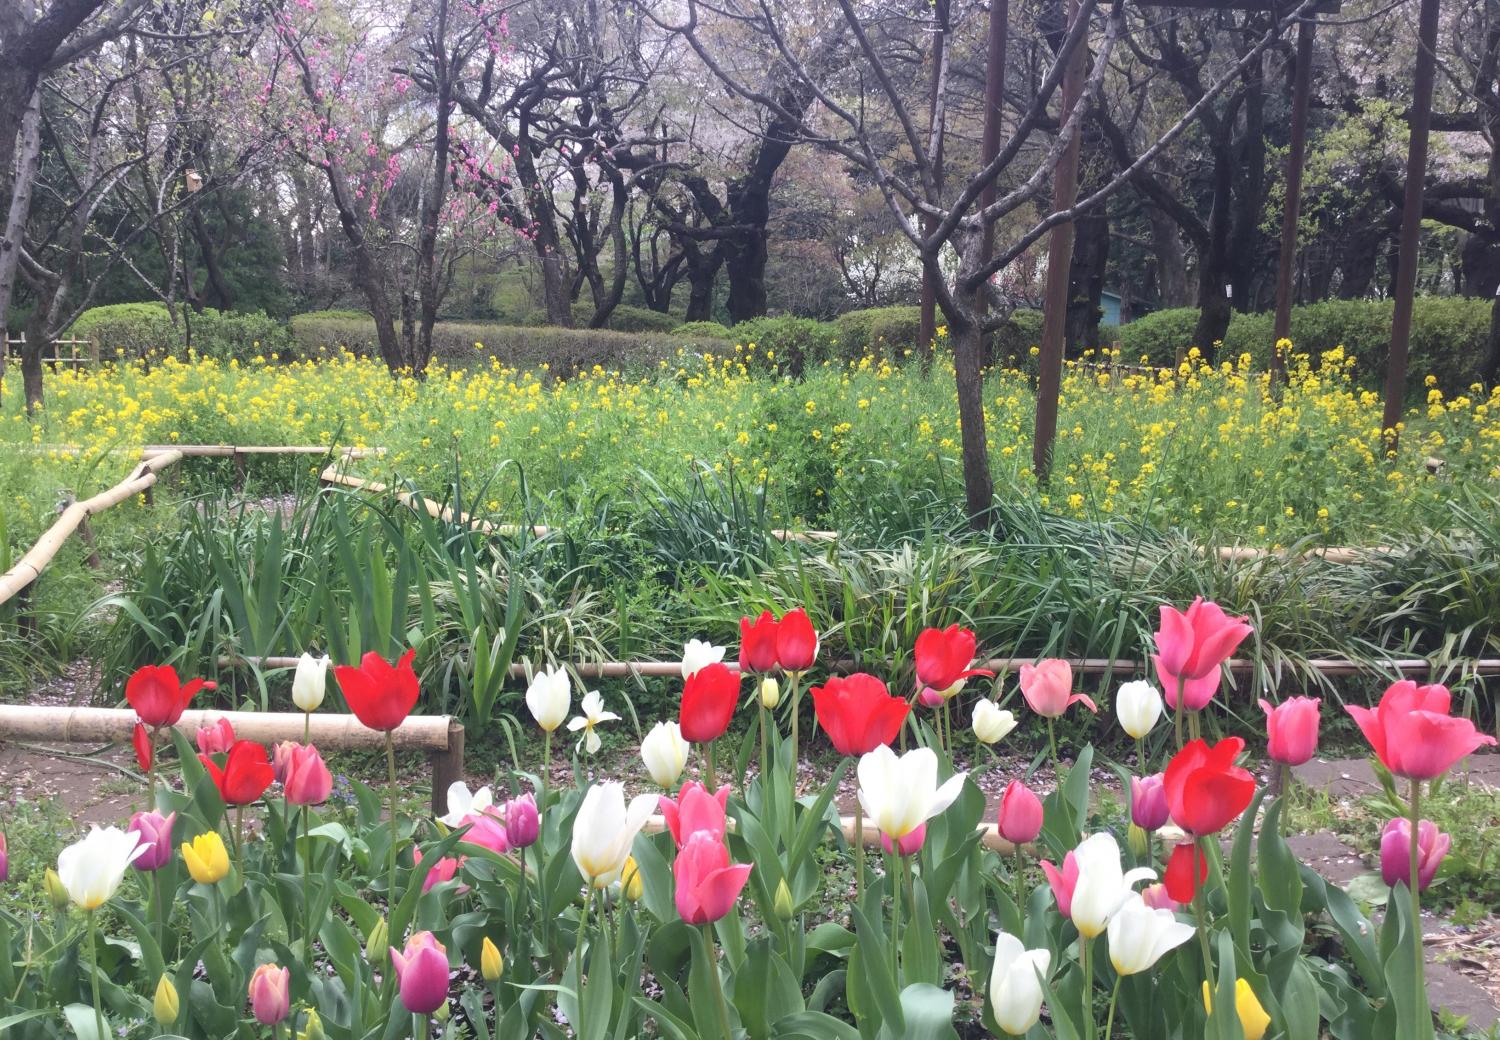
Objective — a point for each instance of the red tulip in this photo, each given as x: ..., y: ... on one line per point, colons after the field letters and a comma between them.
x: 907, y: 846
x: 145, y: 753
x: 157, y: 696
x: 1191, y: 645
x: 1395, y: 852
x: 216, y: 738
x: 695, y: 810
x: 709, y: 697
x: 1205, y: 789
x: 307, y: 780
x: 1020, y: 818
x: 1181, y: 879
x: 796, y: 641
x: 858, y: 713
x: 758, y: 643
x: 1413, y: 733
x: 1063, y: 882
x: 943, y: 657
x: 707, y: 883
x: 1148, y: 802
x: 1048, y: 688
x: 443, y: 870
x: 246, y: 773
x: 380, y: 695
x: 1292, y: 729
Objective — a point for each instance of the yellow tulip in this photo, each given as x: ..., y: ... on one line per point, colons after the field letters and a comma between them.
x: 1253, y: 1018
x: 165, y: 1005
x: 491, y: 964
x: 630, y: 879
x: 207, y: 859
x: 313, y: 1029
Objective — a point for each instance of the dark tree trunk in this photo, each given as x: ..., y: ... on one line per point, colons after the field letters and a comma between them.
x: 968, y: 354
x: 1171, y: 264
x: 1489, y: 374
x: 745, y: 264
x: 1213, y: 264
x: 1086, y: 279
x: 1244, y: 252
x: 428, y: 273
x: 702, y: 272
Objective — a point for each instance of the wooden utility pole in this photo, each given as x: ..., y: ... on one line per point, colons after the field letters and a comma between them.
x: 1291, y: 212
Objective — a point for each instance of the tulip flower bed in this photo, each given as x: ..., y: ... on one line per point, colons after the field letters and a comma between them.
x: 240, y: 902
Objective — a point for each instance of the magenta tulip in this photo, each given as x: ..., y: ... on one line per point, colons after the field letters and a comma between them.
x: 1020, y: 814
x: 1292, y: 729
x: 707, y: 883
x: 1148, y: 802
x: 270, y: 994
x: 443, y: 870
x: 522, y: 822
x: 694, y: 810
x: 487, y: 830
x: 1048, y: 688
x: 907, y: 846
x: 1063, y: 882
x: 422, y: 973
x: 306, y: 780
x: 155, y: 831
x: 1395, y: 852
x: 1413, y: 733
x: 216, y: 738
x: 4, y: 860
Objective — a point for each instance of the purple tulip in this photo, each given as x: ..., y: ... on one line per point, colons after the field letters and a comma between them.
x: 1395, y: 852
x: 1148, y: 802
x: 522, y: 824
x: 155, y: 832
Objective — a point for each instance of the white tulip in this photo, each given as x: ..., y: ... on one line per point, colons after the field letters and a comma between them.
x: 1016, y: 984
x: 309, y: 682
x: 91, y: 869
x: 900, y: 793
x: 697, y: 654
x: 992, y: 722
x: 1140, y: 936
x: 462, y: 804
x: 1102, y: 886
x: 770, y: 692
x: 1138, y: 706
x: 604, y: 829
x: 593, y: 714
x: 665, y: 753
x: 549, y: 697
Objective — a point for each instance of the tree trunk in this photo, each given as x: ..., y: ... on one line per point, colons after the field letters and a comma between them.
x: 1213, y: 265
x: 1244, y: 252
x: 1171, y: 264
x: 979, y: 484
x: 745, y: 263
x: 429, y: 289
x: 20, y: 205
x: 1489, y: 375
x: 702, y: 272
x: 1086, y: 279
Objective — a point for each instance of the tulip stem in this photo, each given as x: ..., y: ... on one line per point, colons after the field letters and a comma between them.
x: 859, y: 850
x: 390, y: 767
x: 307, y: 881
x: 1200, y: 901
x: 1052, y: 746
x: 1114, y: 997
x: 796, y: 701
x: 306, y: 728
x: 1177, y: 710
x: 239, y: 842
x: 713, y: 972
x: 898, y: 891
x: 583, y: 925
x: 1140, y: 757
x: 712, y: 773
x: 765, y: 757
x: 1414, y: 887
x: 1088, y: 985
x: 546, y: 767
x: 94, y: 975
x: 161, y: 913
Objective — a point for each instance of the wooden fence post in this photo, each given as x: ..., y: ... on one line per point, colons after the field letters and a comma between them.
x: 447, y: 768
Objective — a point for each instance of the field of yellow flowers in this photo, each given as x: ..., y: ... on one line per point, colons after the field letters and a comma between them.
x: 1213, y: 450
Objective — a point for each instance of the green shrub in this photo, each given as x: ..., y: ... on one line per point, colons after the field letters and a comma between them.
x: 1448, y: 336
x: 703, y: 330
x: 139, y: 329
x: 887, y: 331
x: 640, y: 319
x: 127, y: 329
x: 1013, y: 340
x: 333, y: 314
x: 788, y: 344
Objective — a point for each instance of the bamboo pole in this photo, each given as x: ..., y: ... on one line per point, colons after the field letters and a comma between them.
x: 210, y: 450
x: 29, y: 567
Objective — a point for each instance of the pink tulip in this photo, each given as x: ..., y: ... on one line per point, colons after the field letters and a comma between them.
x: 441, y: 871
x: 281, y: 758
x: 1048, y: 688
x: 695, y: 809
x: 1191, y: 645
x: 907, y: 846
x: 155, y: 832
x: 1063, y: 882
x: 1148, y: 802
x: 707, y: 883
x: 305, y: 780
x: 488, y: 831
x: 1020, y: 814
x: 1413, y: 733
x: 216, y: 739
x: 1155, y: 896
x: 422, y: 973
x: 4, y: 860
x: 522, y: 823
x: 1395, y: 852
x: 270, y: 994
x: 1292, y: 729
x: 927, y: 697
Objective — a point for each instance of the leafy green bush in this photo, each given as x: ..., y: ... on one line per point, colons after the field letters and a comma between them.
x: 703, y: 330
x: 333, y: 314
x: 788, y: 344
x: 138, y: 329
x: 887, y: 331
x: 1448, y: 336
x: 640, y: 319
x: 1013, y: 341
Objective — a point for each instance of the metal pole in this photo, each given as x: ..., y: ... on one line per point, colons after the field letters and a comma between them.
x: 1059, y: 267
x: 935, y: 119
x: 1411, y: 221
x: 1291, y: 213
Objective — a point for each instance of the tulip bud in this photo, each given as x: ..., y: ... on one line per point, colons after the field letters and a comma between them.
x: 442, y: 1012
x: 377, y: 943
x: 1138, y: 841
x: 991, y: 722
x: 309, y: 682
x: 770, y: 692
x: 630, y: 879
x: 313, y: 1030
x: 56, y: 890
x: 1253, y: 1018
x: 665, y: 753
x: 491, y: 964
x: 782, y: 903
x: 165, y: 1005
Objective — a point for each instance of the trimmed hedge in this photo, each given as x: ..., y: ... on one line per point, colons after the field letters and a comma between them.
x: 1448, y: 336
x: 703, y: 330
x: 888, y: 331
x: 140, y: 329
